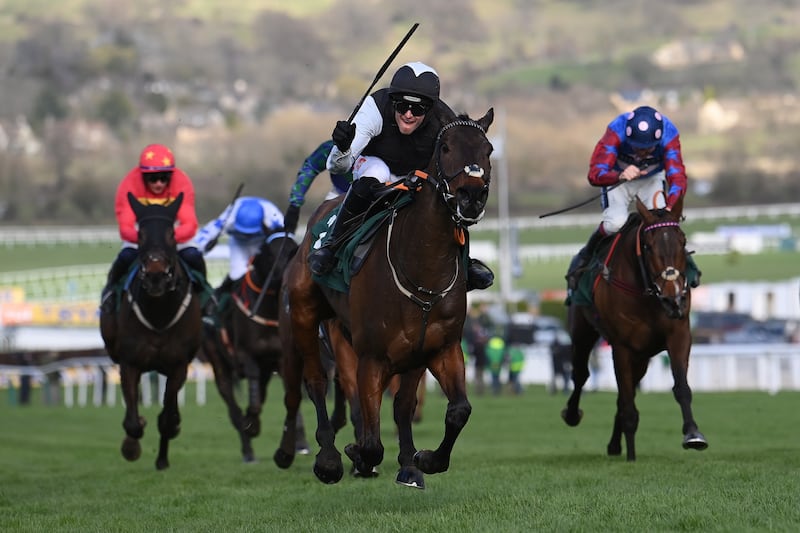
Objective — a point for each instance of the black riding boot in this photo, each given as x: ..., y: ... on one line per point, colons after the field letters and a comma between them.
x: 120, y: 266
x: 582, y: 258
x: 692, y: 272
x: 479, y: 276
x: 195, y: 261
x: 357, y: 201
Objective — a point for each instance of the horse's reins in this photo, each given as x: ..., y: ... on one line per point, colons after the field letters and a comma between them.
x: 251, y: 314
x: 651, y: 289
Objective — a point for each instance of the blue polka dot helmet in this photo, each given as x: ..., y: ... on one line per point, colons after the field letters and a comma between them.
x: 645, y: 127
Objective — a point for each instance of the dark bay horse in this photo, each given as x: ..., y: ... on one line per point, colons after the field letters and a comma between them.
x: 247, y: 344
x: 405, y: 311
x: 641, y: 304
x: 157, y: 327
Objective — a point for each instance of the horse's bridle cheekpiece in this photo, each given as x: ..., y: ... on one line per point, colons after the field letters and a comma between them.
x: 442, y: 180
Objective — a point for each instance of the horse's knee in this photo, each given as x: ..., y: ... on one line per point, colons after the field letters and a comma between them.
x: 458, y: 413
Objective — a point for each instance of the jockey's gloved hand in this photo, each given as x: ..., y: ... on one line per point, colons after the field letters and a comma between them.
x: 290, y: 218
x: 343, y: 135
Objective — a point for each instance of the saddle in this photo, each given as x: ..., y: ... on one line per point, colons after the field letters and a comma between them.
x: 352, y: 253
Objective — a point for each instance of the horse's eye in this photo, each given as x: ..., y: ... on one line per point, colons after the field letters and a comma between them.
x: 445, y: 148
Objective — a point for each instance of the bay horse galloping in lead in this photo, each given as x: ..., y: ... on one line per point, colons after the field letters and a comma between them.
x: 250, y: 347
x: 157, y: 326
x: 405, y: 311
x: 641, y: 305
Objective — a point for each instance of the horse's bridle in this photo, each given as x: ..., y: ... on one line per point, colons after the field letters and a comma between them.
x: 670, y: 274
x: 442, y: 180
x: 442, y: 184
x: 172, y: 284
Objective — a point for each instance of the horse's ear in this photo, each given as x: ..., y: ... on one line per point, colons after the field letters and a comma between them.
x: 175, y: 205
x: 642, y: 209
x: 136, y: 205
x: 486, y: 120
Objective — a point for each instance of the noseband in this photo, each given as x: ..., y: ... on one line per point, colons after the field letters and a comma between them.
x: 442, y: 179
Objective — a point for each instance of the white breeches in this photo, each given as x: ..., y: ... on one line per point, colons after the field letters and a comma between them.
x: 240, y: 253
x: 649, y: 190
x: 367, y: 165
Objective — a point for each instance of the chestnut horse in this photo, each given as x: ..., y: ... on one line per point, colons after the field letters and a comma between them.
x: 247, y: 345
x: 157, y: 326
x: 405, y: 311
x: 641, y: 304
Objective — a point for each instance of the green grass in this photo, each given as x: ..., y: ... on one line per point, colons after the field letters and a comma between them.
x: 516, y: 467
x: 19, y: 258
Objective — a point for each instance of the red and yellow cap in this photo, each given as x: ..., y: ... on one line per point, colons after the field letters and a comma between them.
x: 156, y: 158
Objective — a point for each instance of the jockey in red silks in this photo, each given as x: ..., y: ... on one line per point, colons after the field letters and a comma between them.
x: 155, y: 180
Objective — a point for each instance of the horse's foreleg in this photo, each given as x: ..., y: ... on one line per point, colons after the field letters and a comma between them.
x: 368, y: 451
x: 629, y: 371
x: 251, y: 423
x: 692, y: 438
x: 405, y: 408
x: 448, y: 369
x: 292, y: 376
x: 328, y: 464
x: 169, y: 420
x: 343, y: 362
x: 584, y: 337
x: 133, y: 424
x: 224, y: 380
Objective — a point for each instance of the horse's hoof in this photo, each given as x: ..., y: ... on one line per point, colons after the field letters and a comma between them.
x: 572, y: 418
x: 282, y: 459
x: 131, y: 449
x: 352, y: 451
x: 355, y: 472
x: 427, y: 461
x: 360, y: 468
x: 249, y: 459
x: 329, y: 476
x: 694, y: 441
x: 614, y: 449
x: 410, y: 477
x: 162, y: 464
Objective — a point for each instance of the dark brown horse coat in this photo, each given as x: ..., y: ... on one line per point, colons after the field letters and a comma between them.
x: 157, y: 327
x: 253, y: 348
x: 405, y: 311
x: 641, y: 305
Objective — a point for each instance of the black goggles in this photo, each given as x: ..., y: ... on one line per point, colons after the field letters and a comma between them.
x: 155, y: 177
x: 401, y: 106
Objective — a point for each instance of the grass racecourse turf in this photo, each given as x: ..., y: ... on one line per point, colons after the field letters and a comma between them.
x: 515, y: 467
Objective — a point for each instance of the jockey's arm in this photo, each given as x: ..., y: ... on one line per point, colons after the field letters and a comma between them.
x: 369, y: 123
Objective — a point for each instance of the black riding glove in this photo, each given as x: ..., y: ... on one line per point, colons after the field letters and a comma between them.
x: 343, y: 135
x: 290, y: 218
